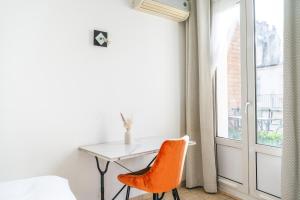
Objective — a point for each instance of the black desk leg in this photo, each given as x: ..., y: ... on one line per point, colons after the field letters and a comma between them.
x: 102, y: 173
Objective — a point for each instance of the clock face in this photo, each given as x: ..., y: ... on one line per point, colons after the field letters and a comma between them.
x: 100, y: 38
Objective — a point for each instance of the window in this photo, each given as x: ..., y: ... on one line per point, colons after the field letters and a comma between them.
x: 269, y: 74
x: 247, y: 54
x: 228, y: 71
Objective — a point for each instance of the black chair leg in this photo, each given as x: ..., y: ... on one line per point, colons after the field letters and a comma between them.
x: 178, y: 198
x: 161, y: 197
x: 128, y: 193
x: 155, y: 196
x: 175, y: 194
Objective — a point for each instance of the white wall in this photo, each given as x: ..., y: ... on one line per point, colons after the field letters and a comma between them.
x: 58, y: 91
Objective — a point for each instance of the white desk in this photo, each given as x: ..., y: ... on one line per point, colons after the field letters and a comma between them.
x: 115, y: 151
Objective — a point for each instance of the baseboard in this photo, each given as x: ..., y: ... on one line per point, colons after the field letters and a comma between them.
x: 234, y: 193
x: 230, y: 195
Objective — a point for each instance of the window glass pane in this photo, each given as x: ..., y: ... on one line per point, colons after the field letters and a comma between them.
x: 269, y: 74
x: 226, y: 59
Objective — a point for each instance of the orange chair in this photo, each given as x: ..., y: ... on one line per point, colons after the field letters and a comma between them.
x: 165, y: 173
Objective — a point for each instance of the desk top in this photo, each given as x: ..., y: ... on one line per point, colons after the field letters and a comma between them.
x: 113, y: 151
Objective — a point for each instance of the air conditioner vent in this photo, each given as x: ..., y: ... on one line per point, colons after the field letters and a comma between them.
x: 177, y: 10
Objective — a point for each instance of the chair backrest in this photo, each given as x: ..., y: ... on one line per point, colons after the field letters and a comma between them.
x: 166, y: 172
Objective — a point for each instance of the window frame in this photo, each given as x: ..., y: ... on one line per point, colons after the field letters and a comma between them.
x: 254, y: 147
x: 247, y: 144
x: 243, y: 143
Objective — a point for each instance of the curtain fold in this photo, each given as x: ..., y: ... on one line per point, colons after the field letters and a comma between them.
x: 291, y: 103
x: 201, y: 164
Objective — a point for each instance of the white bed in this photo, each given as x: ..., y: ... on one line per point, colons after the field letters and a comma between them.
x: 38, y: 188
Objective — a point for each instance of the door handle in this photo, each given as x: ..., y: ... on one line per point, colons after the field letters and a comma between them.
x: 246, y: 106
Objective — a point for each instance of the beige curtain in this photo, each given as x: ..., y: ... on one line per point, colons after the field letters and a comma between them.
x: 201, y: 165
x: 291, y: 101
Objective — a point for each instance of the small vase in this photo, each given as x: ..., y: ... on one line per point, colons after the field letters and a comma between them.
x: 128, y: 137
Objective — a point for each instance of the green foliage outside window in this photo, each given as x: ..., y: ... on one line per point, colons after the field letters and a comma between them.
x: 272, y: 138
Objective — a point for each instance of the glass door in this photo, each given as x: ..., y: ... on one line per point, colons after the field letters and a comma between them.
x: 229, y: 60
x: 266, y: 79
x: 247, y: 54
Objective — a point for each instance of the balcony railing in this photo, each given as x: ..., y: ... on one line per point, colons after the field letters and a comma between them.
x: 269, y: 120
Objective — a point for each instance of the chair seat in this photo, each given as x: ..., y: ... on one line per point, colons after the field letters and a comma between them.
x: 136, y: 179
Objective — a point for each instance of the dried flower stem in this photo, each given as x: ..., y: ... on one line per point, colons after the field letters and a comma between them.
x: 127, y: 122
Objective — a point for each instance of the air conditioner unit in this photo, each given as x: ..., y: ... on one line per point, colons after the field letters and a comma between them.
x: 177, y: 10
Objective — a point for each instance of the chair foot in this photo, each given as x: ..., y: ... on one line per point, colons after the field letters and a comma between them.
x: 157, y: 197
x: 128, y: 193
x: 175, y: 194
x: 161, y: 197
